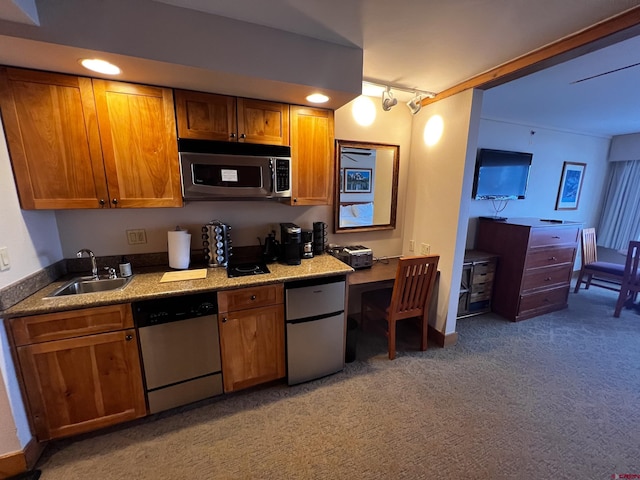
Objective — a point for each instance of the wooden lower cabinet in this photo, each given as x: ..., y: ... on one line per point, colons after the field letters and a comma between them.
x: 252, y: 339
x: 476, y: 285
x: 80, y: 384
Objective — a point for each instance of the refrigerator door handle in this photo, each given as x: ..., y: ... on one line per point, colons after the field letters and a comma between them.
x: 314, y: 318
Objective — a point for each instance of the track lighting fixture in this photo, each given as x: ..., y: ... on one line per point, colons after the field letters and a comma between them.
x: 388, y: 100
x: 415, y: 104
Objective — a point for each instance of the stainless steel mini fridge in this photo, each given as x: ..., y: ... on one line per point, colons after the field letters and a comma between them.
x: 315, y: 317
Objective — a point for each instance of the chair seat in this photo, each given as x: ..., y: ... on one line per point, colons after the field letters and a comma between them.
x: 607, y: 267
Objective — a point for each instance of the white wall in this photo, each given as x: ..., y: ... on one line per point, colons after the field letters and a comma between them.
x: 550, y: 148
x: 439, y: 191
x: 32, y: 241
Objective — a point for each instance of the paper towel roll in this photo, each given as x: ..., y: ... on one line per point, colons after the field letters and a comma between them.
x: 179, y: 248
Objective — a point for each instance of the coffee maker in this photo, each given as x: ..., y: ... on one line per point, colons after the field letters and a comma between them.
x: 290, y: 243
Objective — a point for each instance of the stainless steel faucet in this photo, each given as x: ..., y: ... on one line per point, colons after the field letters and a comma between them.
x: 94, y: 266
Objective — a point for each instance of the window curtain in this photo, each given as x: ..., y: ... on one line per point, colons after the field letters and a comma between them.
x: 620, y: 217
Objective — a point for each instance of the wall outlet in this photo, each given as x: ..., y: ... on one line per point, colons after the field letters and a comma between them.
x: 412, y: 245
x: 425, y: 249
x: 5, y: 264
x: 136, y: 237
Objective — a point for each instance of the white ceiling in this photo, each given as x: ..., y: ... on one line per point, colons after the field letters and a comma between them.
x: 433, y: 45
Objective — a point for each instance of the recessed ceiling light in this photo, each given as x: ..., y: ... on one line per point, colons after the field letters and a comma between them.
x: 317, y: 98
x: 100, y: 66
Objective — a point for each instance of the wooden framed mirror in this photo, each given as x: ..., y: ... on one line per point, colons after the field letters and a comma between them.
x: 366, y: 186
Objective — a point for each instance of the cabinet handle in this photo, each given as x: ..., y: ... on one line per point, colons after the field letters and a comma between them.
x: 253, y: 297
x: 114, y: 201
x: 128, y: 338
x: 101, y: 202
x: 242, y: 135
x: 224, y: 319
x: 232, y: 135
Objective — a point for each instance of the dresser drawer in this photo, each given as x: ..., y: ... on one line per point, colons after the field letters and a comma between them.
x: 546, y: 277
x: 481, y: 295
x: 550, y: 256
x: 243, y: 298
x: 547, y: 299
x: 541, y: 237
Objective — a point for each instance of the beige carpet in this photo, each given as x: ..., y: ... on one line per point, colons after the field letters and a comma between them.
x: 555, y: 397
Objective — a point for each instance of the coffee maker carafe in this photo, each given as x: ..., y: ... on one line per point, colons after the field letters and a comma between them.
x: 290, y: 243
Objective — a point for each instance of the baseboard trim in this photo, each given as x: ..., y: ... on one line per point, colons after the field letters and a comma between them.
x: 442, y: 339
x: 21, y: 461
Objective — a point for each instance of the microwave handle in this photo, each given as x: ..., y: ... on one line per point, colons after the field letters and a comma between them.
x: 272, y: 175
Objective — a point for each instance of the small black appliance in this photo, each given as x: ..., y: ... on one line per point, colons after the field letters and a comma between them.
x: 307, y: 244
x: 290, y: 243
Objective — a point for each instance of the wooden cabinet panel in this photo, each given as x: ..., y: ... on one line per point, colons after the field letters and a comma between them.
x: 312, y: 155
x: 52, y: 134
x: 557, y: 235
x: 546, y: 277
x: 260, y: 121
x: 251, y: 297
x: 138, y: 134
x: 252, y: 346
x: 73, y: 323
x: 542, y: 302
x: 80, y: 384
x: 550, y: 256
x: 206, y: 116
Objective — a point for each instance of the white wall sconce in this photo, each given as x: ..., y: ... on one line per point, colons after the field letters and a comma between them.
x: 415, y: 104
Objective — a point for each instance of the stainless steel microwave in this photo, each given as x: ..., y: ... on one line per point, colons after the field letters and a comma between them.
x: 234, y: 171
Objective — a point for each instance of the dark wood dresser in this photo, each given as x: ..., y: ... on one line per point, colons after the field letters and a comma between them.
x: 534, y: 270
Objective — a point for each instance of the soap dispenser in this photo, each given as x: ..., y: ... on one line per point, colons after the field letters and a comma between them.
x: 125, y: 267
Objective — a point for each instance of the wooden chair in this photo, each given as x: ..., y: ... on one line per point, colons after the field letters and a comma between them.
x: 607, y: 275
x: 409, y: 297
x: 631, y: 279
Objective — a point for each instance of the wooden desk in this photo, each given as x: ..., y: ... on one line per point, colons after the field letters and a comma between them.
x: 380, y: 272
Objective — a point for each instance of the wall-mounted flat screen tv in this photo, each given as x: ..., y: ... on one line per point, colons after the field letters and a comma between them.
x: 501, y: 174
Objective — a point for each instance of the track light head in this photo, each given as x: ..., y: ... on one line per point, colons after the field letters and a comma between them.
x: 388, y: 100
x: 415, y: 104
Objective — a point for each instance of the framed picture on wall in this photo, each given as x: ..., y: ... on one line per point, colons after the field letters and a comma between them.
x: 357, y: 180
x: 570, y: 185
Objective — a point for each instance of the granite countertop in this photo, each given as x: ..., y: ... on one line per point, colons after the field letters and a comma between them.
x: 146, y: 286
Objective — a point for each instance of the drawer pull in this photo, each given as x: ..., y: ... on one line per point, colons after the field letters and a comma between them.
x: 552, y: 258
x: 128, y: 338
x: 555, y: 236
x: 253, y: 297
x: 547, y: 279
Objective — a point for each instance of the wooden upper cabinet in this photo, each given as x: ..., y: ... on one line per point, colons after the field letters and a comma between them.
x: 312, y: 150
x: 206, y: 116
x: 260, y: 121
x: 140, y: 149
x: 54, y: 143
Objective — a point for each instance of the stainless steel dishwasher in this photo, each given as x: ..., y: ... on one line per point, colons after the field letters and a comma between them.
x: 180, y: 349
x: 315, y: 319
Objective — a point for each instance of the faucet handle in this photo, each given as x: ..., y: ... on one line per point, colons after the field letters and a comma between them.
x: 111, y: 271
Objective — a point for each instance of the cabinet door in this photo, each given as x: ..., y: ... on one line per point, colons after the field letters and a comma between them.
x: 312, y: 155
x: 140, y: 149
x: 206, y: 116
x: 252, y: 346
x: 52, y: 134
x: 260, y: 121
x: 82, y: 384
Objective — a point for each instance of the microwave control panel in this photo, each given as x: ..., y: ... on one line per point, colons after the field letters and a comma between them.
x: 283, y: 175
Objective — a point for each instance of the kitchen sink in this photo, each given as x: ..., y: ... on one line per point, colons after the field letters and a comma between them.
x: 88, y: 285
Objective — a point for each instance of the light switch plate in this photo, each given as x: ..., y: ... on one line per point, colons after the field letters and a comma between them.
x: 5, y: 264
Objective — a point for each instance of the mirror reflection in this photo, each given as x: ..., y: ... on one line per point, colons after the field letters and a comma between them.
x: 366, y: 186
